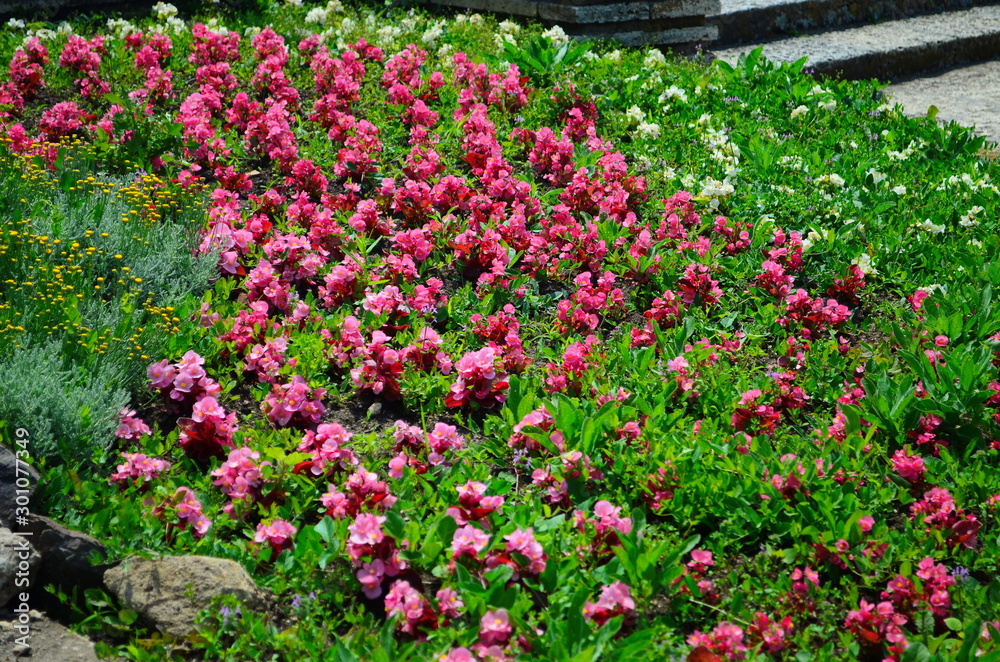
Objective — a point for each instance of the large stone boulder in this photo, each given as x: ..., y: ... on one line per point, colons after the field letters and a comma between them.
x: 12, y: 469
x: 18, y: 564
x: 169, y: 592
x: 66, y: 555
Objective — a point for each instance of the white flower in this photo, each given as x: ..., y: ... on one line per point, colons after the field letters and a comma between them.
x: 476, y: 19
x: 976, y: 243
x: 317, y: 15
x: 899, y: 190
x: 829, y: 106
x: 673, y: 92
x: 713, y: 188
x: 799, y: 112
x: 811, y: 239
x: 177, y: 26
x: 929, y: 226
x: 432, y: 34
x: 613, y: 56
x: 877, y: 177
x: 293, y: 3
x: 43, y: 34
x: 832, y: 180
x: 64, y: 28
x: 556, y: 35
x: 384, y: 35
x: 15, y: 24
x: 164, y: 10
x: 120, y: 27
x: 969, y: 220
x: 864, y: 262
x: 648, y: 130
x: 653, y: 58
x: 792, y: 162
x: 251, y: 31
x: 635, y: 115
x: 509, y: 27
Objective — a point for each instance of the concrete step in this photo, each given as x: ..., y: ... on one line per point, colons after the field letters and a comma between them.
x: 891, y: 50
x: 746, y: 21
x: 967, y: 95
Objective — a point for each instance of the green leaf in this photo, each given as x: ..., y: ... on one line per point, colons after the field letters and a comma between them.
x: 972, y: 633
x: 327, y: 529
x: 395, y: 525
x: 916, y: 652
x: 343, y: 653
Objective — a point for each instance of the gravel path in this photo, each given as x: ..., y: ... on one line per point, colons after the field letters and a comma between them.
x: 968, y: 95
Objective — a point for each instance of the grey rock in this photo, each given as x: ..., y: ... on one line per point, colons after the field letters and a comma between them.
x: 169, y: 592
x: 48, y: 641
x: 66, y: 555
x: 19, y: 562
x: 11, y: 469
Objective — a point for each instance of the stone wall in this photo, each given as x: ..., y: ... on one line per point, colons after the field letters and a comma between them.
x: 632, y: 22
x: 675, y: 23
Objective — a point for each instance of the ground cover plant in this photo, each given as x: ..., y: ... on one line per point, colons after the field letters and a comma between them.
x: 512, y: 348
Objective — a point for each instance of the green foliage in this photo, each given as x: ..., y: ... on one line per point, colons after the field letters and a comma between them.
x: 93, y: 270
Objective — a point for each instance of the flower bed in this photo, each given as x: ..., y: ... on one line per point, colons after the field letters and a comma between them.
x: 526, y: 349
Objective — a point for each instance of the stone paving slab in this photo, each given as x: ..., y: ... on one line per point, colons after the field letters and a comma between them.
x: 967, y: 95
x: 892, y: 49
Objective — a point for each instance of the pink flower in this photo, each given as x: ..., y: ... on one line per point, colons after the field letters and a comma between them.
x: 615, y: 600
x: 188, y: 510
x: 478, y: 380
x: 138, y: 466
x: 240, y: 475
x: 468, y: 540
x: 161, y: 374
x: 495, y: 628
x: 370, y: 575
x: 458, y: 655
x: 278, y: 534
x: 449, y: 602
x: 131, y: 428
x: 367, y: 529
x: 294, y: 404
